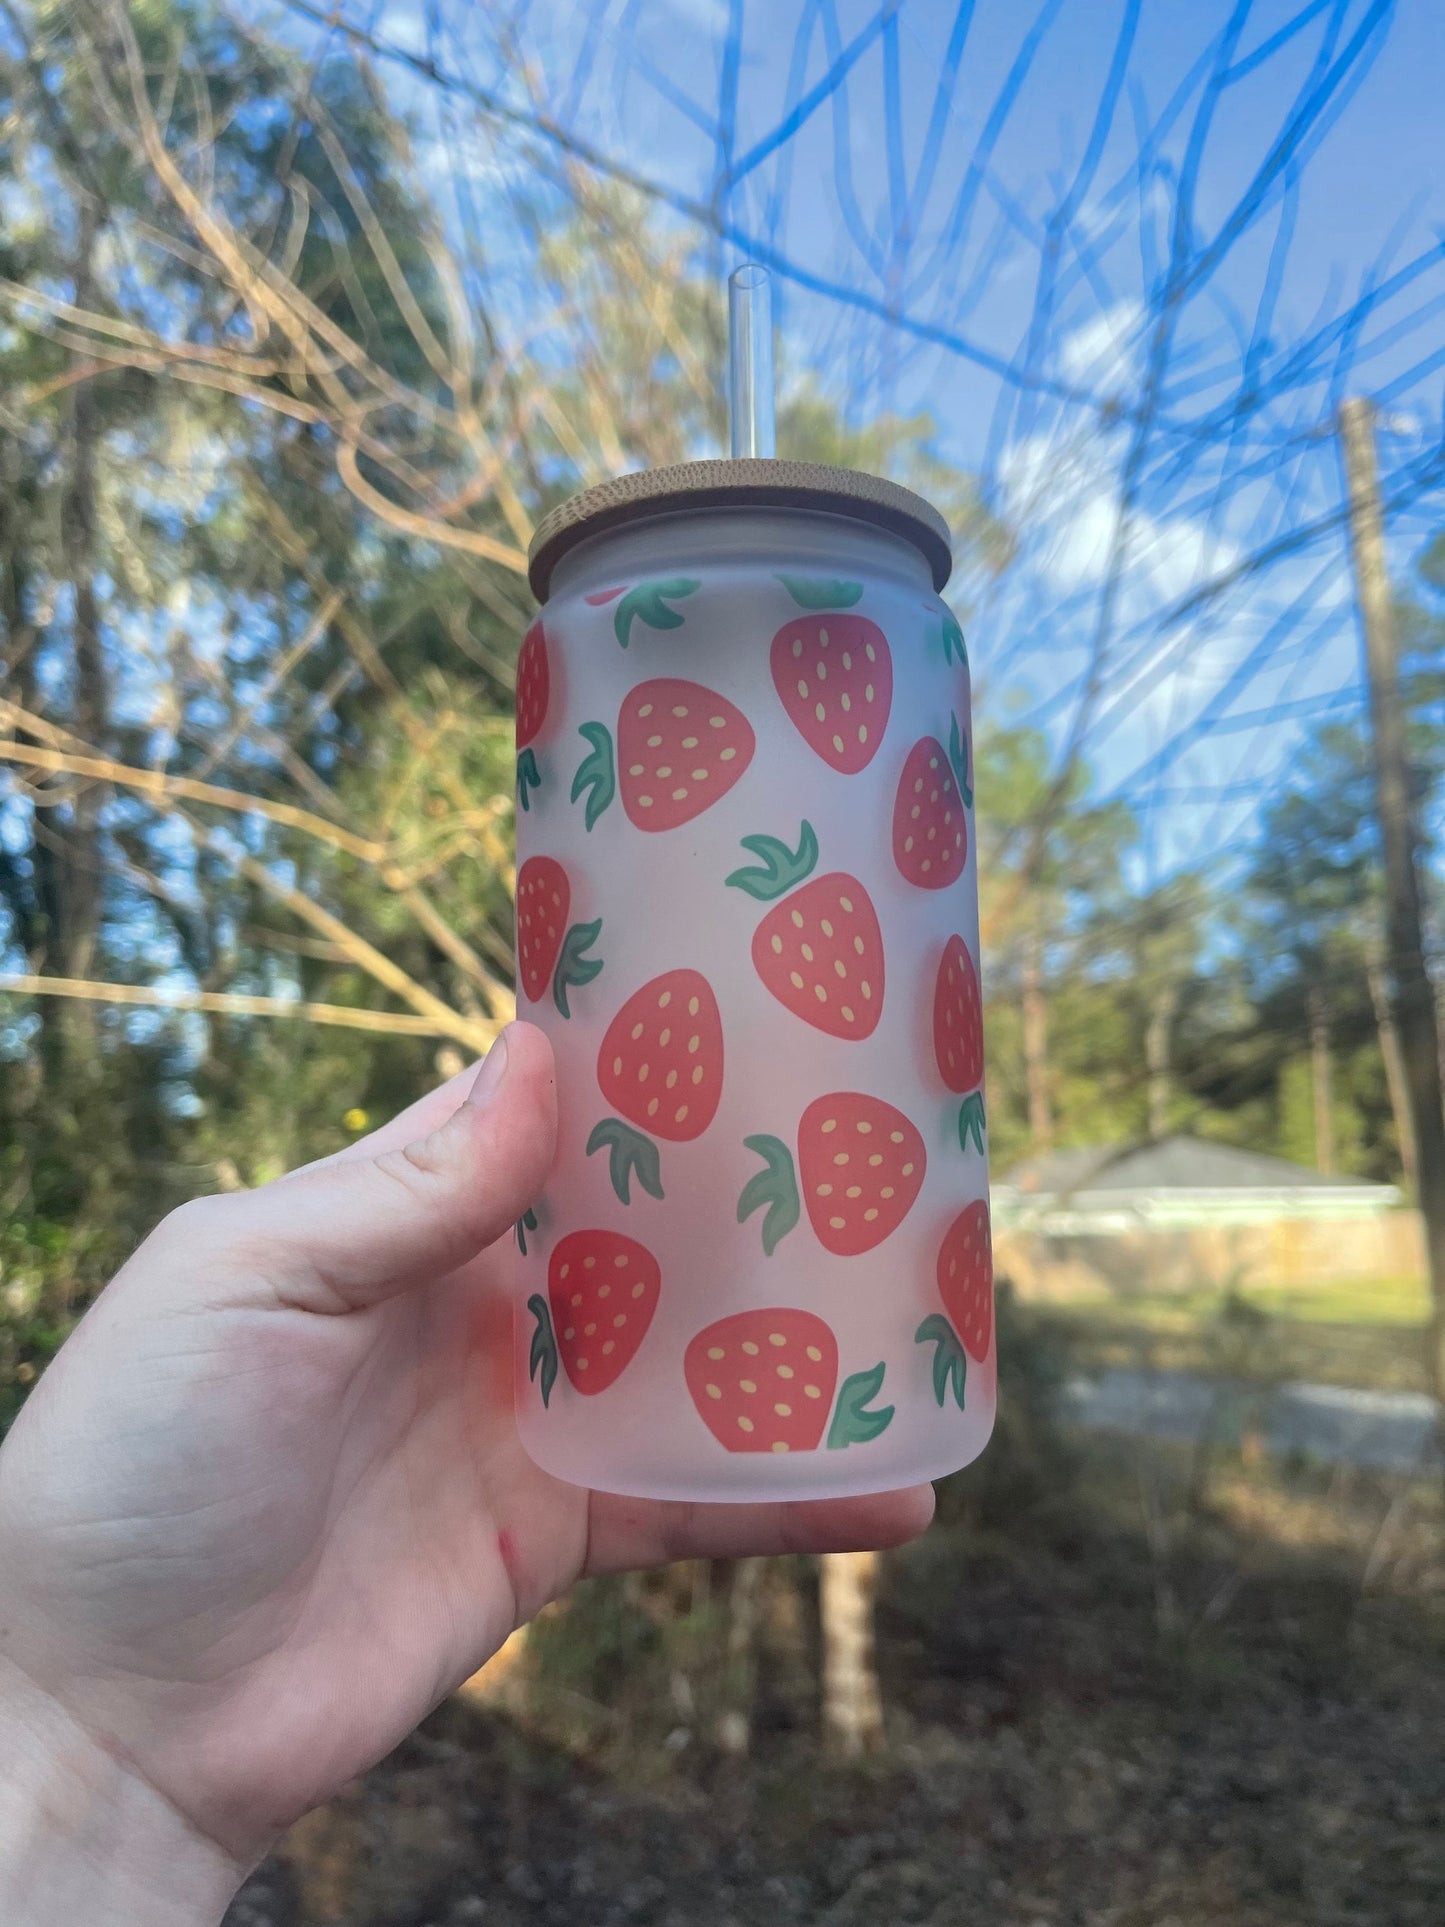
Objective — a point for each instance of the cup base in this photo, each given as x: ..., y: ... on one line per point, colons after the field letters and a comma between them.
x: 770, y: 1482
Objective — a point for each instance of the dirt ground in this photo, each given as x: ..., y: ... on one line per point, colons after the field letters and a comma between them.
x: 1119, y: 1712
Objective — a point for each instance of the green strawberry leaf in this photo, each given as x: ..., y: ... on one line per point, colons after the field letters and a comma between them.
x: 543, y: 1355
x: 958, y: 757
x: 853, y: 1423
x: 529, y: 777
x: 972, y: 1121
x: 527, y: 1222
x: 953, y: 642
x: 776, y: 1187
x: 596, y: 776
x: 821, y: 592
x: 628, y: 1151
x: 573, y: 967
x: 950, y: 1361
x: 649, y: 602
x: 782, y: 868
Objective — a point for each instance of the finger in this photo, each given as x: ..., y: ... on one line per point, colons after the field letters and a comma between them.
x: 348, y: 1234
x: 627, y: 1533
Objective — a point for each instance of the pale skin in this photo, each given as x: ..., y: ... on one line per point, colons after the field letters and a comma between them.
x: 268, y: 1507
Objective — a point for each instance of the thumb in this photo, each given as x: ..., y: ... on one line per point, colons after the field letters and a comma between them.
x: 347, y: 1234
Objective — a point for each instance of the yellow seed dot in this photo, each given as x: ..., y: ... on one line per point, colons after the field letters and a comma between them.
x: 869, y: 1215
x: 582, y: 1364
x: 637, y: 770
x: 908, y: 1170
x: 576, y: 1300
x: 679, y: 710
x: 815, y: 1354
x: 654, y: 742
x: 750, y: 1348
x: 692, y: 1006
x: 840, y: 969
x: 783, y: 1411
x: 854, y: 1191
x: 863, y: 1127
x: 776, y: 1338
x: 802, y: 689
x: 620, y: 1262
x: 820, y: 712
x: 713, y: 1391
x: 609, y: 1345
x: 670, y: 1080
x: 870, y: 652
x: 604, y: 1291
x: 619, y: 1321
x: 564, y: 1271
x: 693, y: 1042
x: 717, y: 722
x: 837, y: 1223
x: 726, y: 755
x: 867, y: 990
x: 877, y: 1158
x: 777, y: 945
x: 645, y: 801
x: 590, y: 1331
x: 679, y: 1116
x: 886, y: 1192
x: 678, y: 795
x: 807, y: 950
x: 841, y: 1157
x: 689, y: 742
x: 824, y: 1191
x: 698, y: 1073
x: 830, y: 1124
x: 837, y: 742
x: 785, y: 1371
x: 797, y: 647
x: 797, y: 919
x: 638, y: 1290
x: 747, y: 1385
x: 781, y: 1445
x: 795, y: 979
x: 652, y: 1107
x: 571, y: 1332
x: 699, y: 776
x: 745, y: 1425
x: 811, y: 1391
x: 847, y: 702
x: 646, y: 710
x: 895, y: 1137
x: 848, y: 1017
x: 715, y: 1351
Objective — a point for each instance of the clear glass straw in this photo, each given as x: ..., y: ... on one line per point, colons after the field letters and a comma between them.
x: 750, y: 344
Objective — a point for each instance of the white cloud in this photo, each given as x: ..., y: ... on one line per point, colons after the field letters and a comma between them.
x: 1103, y: 353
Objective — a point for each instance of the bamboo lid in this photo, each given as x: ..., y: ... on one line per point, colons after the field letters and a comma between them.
x: 634, y: 498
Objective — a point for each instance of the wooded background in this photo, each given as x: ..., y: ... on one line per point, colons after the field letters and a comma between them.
x: 303, y: 328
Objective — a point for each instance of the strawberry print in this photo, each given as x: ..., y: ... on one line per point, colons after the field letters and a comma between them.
x: 603, y: 1289
x: 534, y: 688
x: 763, y: 1381
x: 599, y: 598
x: 819, y: 951
x: 680, y: 749
x: 661, y: 1066
x: 958, y: 1036
x: 834, y: 674
x: 930, y: 829
x: 548, y: 952
x: 965, y: 1284
x: 860, y: 1167
x: 651, y: 603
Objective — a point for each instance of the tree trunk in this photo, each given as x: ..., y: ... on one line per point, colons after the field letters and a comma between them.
x: 1036, y: 1044
x: 1157, y: 1040
x: 1322, y: 1083
x: 78, y: 881
x: 1395, y: 1082
x: 740, y: 1677
x: 852, y: 1697
x: 1412, y: 994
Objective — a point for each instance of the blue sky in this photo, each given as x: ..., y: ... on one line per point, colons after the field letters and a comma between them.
x: 888, y: 195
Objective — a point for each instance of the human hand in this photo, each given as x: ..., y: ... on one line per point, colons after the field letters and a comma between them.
x: 268, y: 1507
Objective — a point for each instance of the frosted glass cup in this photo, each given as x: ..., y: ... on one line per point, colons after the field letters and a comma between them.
x: 747, y: 917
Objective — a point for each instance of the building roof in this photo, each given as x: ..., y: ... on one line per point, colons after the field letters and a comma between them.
x: 1178, y: 1164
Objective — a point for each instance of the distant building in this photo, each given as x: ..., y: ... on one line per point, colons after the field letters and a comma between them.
x: 1184, y: 1212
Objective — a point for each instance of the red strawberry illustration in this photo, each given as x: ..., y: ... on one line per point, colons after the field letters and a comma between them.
x: 820, y: 952
x: 661, y: 1065
x: 601, y: 597
x: 548, y: 952
x: 965, y: 1284
x: 958, y: 1035
x: 834, y: 674
x: 763, y: 1381
x: 603, y: 1289
x: 680, y: 749
x: 930, y: 828
x: 534, y: 688
x: 860, y: 1168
